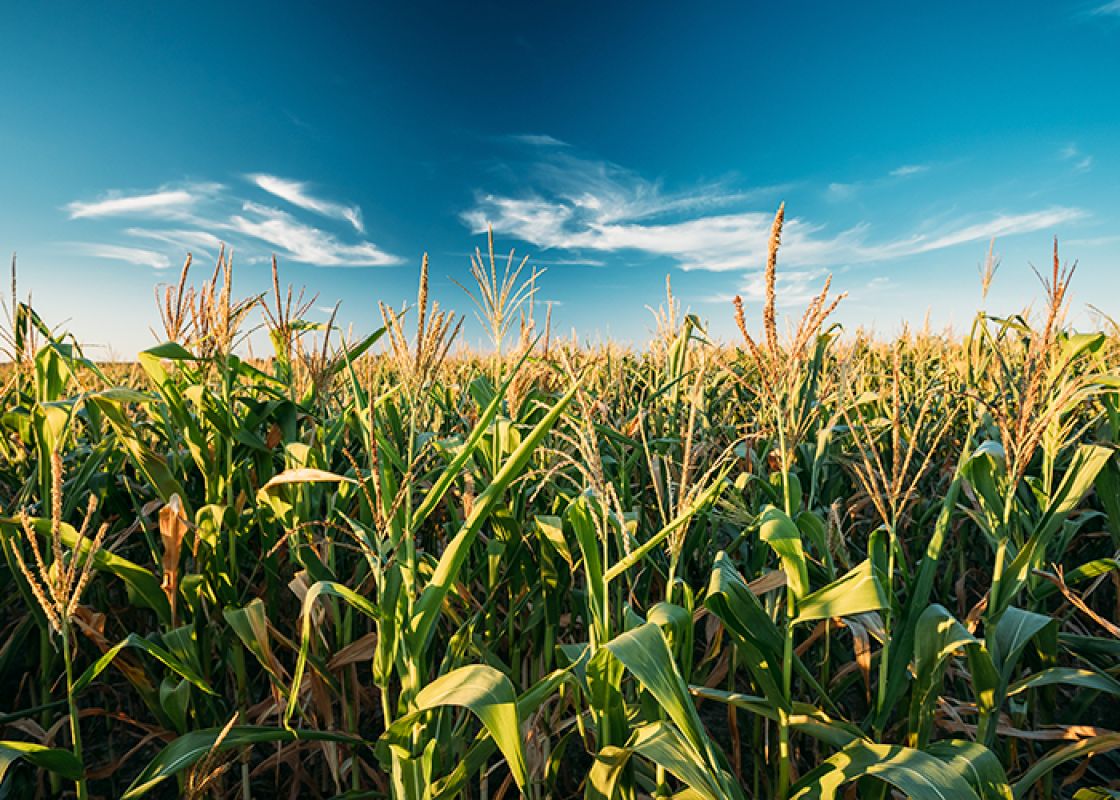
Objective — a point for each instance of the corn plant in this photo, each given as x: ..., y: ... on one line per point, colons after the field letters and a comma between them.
x: 813, y: 565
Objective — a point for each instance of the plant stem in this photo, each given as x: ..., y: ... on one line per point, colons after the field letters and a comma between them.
x: 71, y: 701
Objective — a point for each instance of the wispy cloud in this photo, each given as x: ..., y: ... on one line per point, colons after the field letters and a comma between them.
x: 188, y: 240
x: 296, y: 193
x: 906, y: 170
x: 159, y: 203
x: 303, y: 242
x: 536, y: 140
x: 583, y: 205
x: 1108, y: 9
x: 131, y: 255
x: 843, y: 191
x: 1080, y: 161
x: 999, y: 225
x: 200, y: 217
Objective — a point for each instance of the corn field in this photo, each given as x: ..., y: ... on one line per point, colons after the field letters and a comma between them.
x: 805, y: 564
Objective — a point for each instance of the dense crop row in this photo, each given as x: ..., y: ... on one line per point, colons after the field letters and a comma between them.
x: 808, y: 566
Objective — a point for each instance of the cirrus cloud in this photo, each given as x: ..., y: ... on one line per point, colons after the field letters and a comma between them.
x: 201, y: 217
x: 582, y: 205
x: 131, y: 255
x: 296, y: 193
x: 113, y: 204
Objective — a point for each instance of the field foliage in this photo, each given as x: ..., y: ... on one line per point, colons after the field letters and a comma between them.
x: 808, y: 564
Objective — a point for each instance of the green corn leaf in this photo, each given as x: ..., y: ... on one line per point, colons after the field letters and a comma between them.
x: 490, y: 696
x: 705, y: 498
x: 1067, y: 676
x: 606, y: 773
x: 579, y: 517
x: 918, y: 602
x: 144, y: 586
x: 663, y: 745
x: 986, y: 472
x: 937, y: 637
x: 1088, y: 460
x: 152, y: 465
x: 918, y: 775
x: 60, y: 762
x: 447, y: 570
x: 1096, y: 793
x: 137, y: 642
x: 976, y: 764
x: 1093, y: 746
x: 451, y: 472
x: 551, y: 530
x: 857, y: 592
x: 486, y: 693
x: 803, y: 717
x: 644, y: 651
x: 1108, y: 490
x: 1014, y: 631
x: 1086, y: 572
x: 754, y: 632
x: 317, y: 590
x: 188, y: 750
x: 251, y: 626
x: 784, y: 538
x: 484, y: 746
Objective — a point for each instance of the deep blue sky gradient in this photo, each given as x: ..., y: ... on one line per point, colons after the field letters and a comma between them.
x: 616, y: 142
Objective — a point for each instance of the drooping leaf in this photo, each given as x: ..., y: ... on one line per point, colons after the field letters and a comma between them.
x: 304, y: 475
x: 976, y: 764
x: 937, y: 637
x: 486, y: 693
x: 857, y: 592
x: 144, y: 586
x: 1092, y: 746
x: 784, y: 538
x: 188, y: 750
x: 317, y: 590
x: 919, y: 775
x: 644, y: 651
x: 137, y: 642
x: 60, y: 762
x: 1067, y: 676
x: 663, y: 745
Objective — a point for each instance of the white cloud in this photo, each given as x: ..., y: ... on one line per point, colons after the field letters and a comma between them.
x: 792, y: 287
x: 838, y: 192
x: 161, y: 203
x: 536, y: 140
x: 185, y: 239
x: 589, y: 206
x: 1108, y: 9
x: 303, y: 242
x: 296, y: 193
x: 132, y: 255
x: 1000, y: 225
x: 1072, y: 153
x: 200, y: 213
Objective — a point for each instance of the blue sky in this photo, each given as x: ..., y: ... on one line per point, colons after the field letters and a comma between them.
x: 614, y: 143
